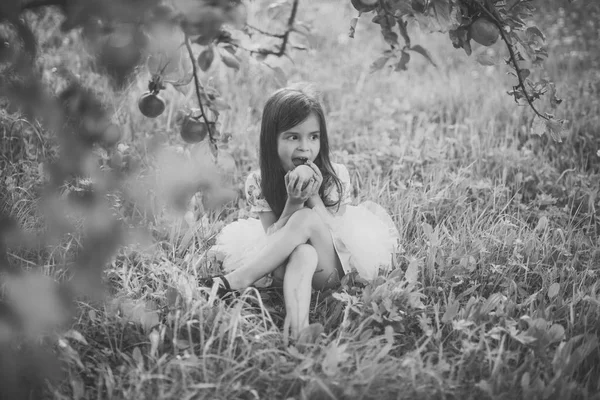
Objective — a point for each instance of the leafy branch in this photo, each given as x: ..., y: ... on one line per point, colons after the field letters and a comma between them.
x: 284, y: 36
x: 197, y: 86
x: 275, y: 35
x: 494, y: 18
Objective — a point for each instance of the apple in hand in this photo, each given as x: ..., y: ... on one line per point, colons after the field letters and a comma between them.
x: 305, y: 175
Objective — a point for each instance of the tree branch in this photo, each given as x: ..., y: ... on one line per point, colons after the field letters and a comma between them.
x: 513, y: 57
x: 197, y: 86
x: 286, y: 34
x: 275, y: 35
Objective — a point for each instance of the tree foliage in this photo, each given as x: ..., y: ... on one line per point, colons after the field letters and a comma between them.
x: 483, y: 21
x: 125, y: 34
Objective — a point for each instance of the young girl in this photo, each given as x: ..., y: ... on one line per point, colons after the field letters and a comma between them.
x: 307, y: 234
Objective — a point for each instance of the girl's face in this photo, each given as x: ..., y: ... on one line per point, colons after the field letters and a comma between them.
x: 299, y: 143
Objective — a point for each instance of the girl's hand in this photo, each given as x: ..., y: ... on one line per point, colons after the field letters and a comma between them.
x: 294, y: 187
x: 318, y: 177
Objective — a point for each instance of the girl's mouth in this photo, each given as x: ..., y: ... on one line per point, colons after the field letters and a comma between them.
x: 299, y: 161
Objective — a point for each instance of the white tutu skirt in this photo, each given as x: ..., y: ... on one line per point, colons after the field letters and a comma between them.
x: 365, y: 239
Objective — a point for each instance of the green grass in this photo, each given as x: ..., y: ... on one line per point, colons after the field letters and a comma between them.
x: 499, y: 242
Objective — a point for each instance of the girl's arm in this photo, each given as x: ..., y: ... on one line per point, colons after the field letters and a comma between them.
x: 296, y: 199
x: 270, y: 222
x: 316, y: 203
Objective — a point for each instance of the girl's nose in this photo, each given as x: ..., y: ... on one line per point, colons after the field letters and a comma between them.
x: 303, y: 144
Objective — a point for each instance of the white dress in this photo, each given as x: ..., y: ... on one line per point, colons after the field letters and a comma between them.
x: 364, y: 236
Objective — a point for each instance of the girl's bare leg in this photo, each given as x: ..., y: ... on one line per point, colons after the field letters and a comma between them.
x: 297, y: 286
x: 304, y: 226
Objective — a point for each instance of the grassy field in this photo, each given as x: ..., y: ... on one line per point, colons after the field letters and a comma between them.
x: 493, y: 294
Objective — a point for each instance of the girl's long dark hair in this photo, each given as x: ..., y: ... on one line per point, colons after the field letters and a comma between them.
x: 285, y: 109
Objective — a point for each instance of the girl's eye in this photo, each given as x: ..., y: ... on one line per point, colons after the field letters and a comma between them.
x: 315, y: 137
x: 293, y: 137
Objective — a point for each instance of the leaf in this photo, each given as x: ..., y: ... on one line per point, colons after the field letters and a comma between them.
x: 533, y: 32
x: 353, y: 23
x: 441, y: 10
x: 553, y: 290
x: 555, y: 128
x: 218, y: 104
x: 389, y: 36
x: 149, y: 319
x: 524, y: 73
x: 539, y: 126
x: 378, y: 64
x: 554, y: 100
x: 70, y: 353
x: 76, y: 335
x: 456, y: 16
x: 526, y: 50
x: 484, y: 58
x: 422, y: 51
x: 396, y: 273
x: 230, y: 60
x: 206, y: 58
x: 414, y: 300
x: 467, y: 47
x: 428, y: 230
x: 230, y: 48
x: 492, y: 303
x: 524, y: 338
x: 542, y: 224
x: 412, y: 271
x: 451, y: 312
x: 462, y: 325
x: 138, y: 357
x: 402, y: 64
x: 460, y: 39
x: 556, y: 333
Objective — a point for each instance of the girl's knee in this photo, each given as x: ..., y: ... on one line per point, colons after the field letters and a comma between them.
x: 306, y: 254
x: 305, y: 218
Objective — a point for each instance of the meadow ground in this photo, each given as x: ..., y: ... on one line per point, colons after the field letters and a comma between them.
x: 493, y: 294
